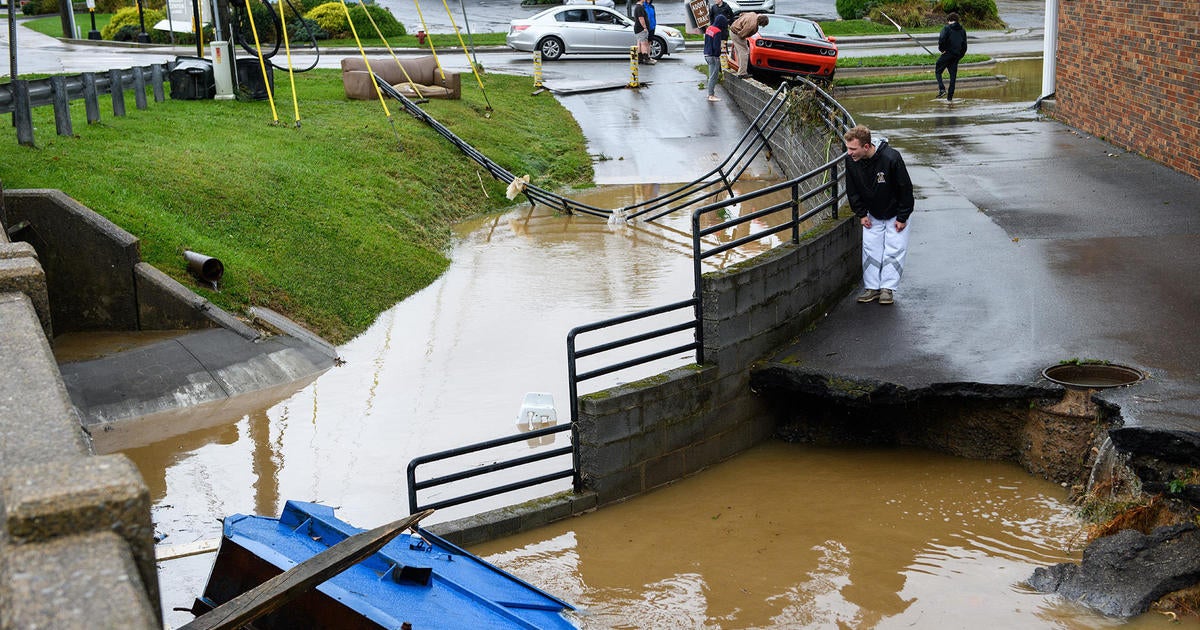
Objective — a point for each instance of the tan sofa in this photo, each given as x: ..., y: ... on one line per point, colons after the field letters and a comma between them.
x: 421, y: 70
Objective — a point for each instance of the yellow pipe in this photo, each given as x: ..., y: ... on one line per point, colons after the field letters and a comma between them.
x: 287, y: 47
x: 262, y: 64
x: 366, y: 61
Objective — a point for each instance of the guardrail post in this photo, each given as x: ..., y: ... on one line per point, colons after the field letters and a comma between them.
x: 22, y: 112
x: 91, y: 97
x: 139, y: 87
x: 62, y: 105
x: 833, y: 191
x: 116, y: 87
x: 156, y: 81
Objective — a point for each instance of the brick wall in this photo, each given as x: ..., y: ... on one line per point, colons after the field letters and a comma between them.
x: 1129, y: 72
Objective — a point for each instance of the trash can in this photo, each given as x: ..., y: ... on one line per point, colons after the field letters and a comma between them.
x: 191, y: 79
x: 250, y: 79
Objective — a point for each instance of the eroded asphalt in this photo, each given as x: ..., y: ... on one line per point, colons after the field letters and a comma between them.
x: 1032, y: 244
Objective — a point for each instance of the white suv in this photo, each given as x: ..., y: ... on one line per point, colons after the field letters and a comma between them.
x: 757, y: 6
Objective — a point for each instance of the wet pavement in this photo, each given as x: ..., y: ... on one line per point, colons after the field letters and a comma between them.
x: 1032, y: 244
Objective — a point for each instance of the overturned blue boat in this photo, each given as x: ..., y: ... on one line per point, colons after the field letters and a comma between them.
x: 416, y: 581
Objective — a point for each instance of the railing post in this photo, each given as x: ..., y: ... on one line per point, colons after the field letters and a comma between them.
x: 698, y: 281
x: 116, y: 87
x: 156, y: 81
x: 61, y: 101
x: 573, y: 391
x: 796, y: 213
x: 22, y: 112
x: 833, y: 190
x: 91, y: 97
x: 139, y: 87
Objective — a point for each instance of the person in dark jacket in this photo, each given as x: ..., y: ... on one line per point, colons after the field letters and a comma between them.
x: 881, y: 196
x: 952, y: 43
x: 713, y: 35
x: 720, y: 7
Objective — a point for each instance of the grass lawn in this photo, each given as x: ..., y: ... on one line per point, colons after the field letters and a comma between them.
x: 52, y: 25
x: 330, y: 223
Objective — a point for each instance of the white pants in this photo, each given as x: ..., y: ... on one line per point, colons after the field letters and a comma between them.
x: 883, y: 251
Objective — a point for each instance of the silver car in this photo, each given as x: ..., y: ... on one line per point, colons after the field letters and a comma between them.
x: 583, y: 29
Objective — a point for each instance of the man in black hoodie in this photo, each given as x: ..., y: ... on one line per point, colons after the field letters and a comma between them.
x: 881, y: 196
x: 952, y: 43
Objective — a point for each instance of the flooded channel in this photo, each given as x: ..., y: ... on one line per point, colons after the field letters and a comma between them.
x: 781, y: 537
x: 790, y: 536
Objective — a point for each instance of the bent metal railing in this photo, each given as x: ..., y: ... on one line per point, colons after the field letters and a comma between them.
x: 811, y: 194
x: 708, y: 186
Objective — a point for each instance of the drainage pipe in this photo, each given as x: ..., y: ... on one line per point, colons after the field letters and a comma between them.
x: 1049, y: 50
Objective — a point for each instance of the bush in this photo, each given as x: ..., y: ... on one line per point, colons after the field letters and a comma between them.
x: 331, y: 18
x: 111, y: 6
x: 854, y: 9
x: 974, y: 13
x: 129, y: 17
x: 305, y: 29
x: 40, y: 7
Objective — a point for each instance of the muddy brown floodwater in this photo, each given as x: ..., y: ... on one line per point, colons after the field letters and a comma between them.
x: 790, y: 536
x: 782, y: 536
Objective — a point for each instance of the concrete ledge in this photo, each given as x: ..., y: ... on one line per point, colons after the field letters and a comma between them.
x: 516, y: 519
x: 24, y: 275
x: 80, y: 582
x: 37, y: 421
x: 61, y: 498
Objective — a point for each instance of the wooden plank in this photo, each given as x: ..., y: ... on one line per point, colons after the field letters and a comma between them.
x: 61, y: 100
x: 91, y: 97
x: 139, y: 87
x: 279, y: 590
x: 173, y: 552
x: 116, y: 87
x: 22, y: 114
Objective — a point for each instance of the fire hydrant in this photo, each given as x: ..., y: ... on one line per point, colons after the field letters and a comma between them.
x: 421, y: 37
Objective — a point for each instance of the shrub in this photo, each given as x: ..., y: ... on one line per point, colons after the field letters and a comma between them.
x: 129, y: 17
x: 332, y: 19
x: 40, y: 7
x: 854, y: 9
x: 111, y: 6
x: 974, y: 13
x: 305, y: 29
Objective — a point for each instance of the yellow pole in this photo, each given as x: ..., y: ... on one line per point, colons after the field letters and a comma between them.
x: 378, y: 32
x: 633, y: 67
x: 474, y: 70
x: 262, y: 65
x: 432, y: 50
x: 537, y: 69
x: 287, y: 47
x: 371, y: 72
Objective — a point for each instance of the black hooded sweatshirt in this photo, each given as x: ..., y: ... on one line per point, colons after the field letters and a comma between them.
x: 880, y: 185
x: 953, y: 40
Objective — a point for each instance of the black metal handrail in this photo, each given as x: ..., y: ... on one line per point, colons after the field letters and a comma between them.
x: 574, y: 353
x: 803, y: 191
x: 413, y: 485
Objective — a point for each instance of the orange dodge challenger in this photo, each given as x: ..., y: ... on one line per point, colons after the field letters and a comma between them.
x: 791, y: 45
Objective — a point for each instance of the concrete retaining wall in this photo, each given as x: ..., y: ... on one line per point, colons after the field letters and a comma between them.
x: 95, y: 279
x: 76, y: 542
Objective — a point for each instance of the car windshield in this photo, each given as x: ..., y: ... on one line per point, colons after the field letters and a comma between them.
x: 782, y: 27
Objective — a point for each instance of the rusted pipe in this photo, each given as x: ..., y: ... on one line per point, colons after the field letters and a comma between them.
x: 205, y: 268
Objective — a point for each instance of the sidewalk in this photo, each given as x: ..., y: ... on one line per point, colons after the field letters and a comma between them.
x: 1032, y: 244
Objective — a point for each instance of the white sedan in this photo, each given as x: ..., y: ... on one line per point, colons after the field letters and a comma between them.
x: 582, y: 29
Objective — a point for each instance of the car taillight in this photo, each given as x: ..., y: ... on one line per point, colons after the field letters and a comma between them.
x: 517, y: 28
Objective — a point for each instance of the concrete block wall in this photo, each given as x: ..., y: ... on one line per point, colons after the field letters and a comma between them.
x: 95, y: 279
x: 1127, y: 72
x: 642, y: 435
x: 76, y: 540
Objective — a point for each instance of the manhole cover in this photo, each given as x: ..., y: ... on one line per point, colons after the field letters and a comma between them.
x: 1092, y: 375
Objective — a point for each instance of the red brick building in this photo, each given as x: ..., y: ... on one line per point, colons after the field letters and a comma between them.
x: 1129, y: 72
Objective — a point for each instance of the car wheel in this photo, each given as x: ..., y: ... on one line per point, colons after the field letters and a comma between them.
x: 551, y: 48
x: 658, y: 48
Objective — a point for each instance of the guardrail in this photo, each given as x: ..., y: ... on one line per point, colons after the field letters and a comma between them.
x: 804, y: 202
x: 20, y: 96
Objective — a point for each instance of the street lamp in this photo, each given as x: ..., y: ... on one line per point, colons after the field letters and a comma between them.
x: 92, y: 34
x: 143, y: 38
